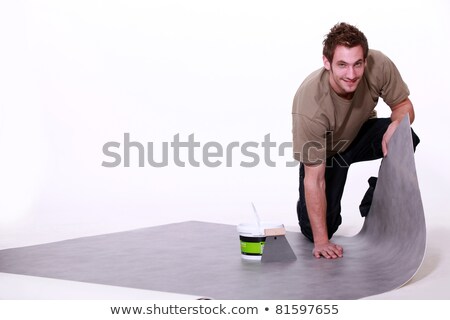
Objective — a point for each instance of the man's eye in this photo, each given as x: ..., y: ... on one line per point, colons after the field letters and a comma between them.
x: 341, y: 65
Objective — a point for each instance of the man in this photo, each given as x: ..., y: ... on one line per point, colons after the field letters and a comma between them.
x: 334, y: 126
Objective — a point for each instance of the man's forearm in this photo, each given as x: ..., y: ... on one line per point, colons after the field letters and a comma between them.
x: 398, y: 113
x: 400, y: 110
x: 316, y: 205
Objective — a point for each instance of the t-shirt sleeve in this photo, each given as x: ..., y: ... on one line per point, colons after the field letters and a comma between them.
x: 308, y: 140
x: 393, y: 89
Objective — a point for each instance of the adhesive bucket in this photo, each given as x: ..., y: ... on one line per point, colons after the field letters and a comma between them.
x: 252, y: 238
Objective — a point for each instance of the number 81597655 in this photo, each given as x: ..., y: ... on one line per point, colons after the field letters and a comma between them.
x: 307, y: 309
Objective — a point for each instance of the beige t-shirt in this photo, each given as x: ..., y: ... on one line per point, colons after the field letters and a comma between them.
x: 324, y: 123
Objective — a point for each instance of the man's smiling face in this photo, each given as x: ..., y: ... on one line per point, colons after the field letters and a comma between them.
x: 346, y: 70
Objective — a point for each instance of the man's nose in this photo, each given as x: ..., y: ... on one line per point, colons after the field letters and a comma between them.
x: 351, y: 72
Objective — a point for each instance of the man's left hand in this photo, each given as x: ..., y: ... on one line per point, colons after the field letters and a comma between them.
x: 387, y: 136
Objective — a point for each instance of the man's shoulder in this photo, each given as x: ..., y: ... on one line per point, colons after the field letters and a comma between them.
x: 314, y: 81
x: 376, y: 54
x: 376, y: 60
x: 384, y: 79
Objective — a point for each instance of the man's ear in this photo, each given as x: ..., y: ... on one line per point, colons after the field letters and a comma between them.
x: 326, y: 63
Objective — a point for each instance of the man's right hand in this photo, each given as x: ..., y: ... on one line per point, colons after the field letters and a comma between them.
x: 316, y: 203
x: 328, y: 250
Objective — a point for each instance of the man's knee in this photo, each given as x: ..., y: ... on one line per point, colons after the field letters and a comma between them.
x: 332, y: 228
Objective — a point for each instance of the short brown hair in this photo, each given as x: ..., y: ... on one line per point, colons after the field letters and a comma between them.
x: 344, y: 34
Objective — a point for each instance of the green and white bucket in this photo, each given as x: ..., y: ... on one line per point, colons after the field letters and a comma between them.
x: 252, y: 238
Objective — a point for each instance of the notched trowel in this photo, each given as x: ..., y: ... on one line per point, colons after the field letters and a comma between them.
x: 276, y: 246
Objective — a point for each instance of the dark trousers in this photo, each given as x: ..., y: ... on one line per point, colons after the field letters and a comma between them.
x: 365, y: 147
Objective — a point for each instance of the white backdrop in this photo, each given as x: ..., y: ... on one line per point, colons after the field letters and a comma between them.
x: 75, y: 75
